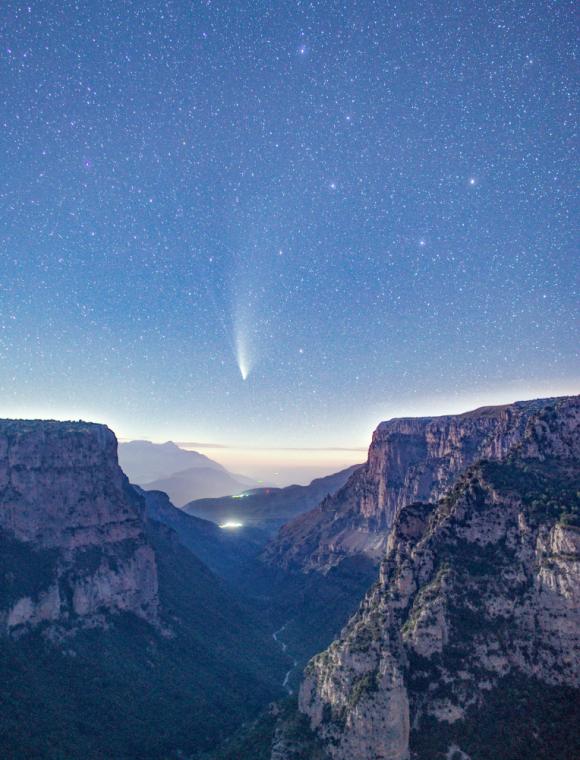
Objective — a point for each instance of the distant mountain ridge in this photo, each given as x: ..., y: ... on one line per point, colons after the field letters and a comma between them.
x: 144, y: 461
x: 184, y: 475
x: 269, y: 508
x: 197, y: 483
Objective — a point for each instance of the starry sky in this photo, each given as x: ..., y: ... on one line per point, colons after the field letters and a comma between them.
x: 273, y: 224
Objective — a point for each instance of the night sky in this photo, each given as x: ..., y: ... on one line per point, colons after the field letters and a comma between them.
x: 365, y: 207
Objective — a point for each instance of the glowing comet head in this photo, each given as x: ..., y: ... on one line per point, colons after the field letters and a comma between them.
x: 245, y: 324
x: 244, y: 371
x: 243, y: 356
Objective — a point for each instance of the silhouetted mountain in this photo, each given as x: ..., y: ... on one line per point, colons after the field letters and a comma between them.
x: 197, y: 483
x: 269, y: 508
x: 143, y: 461
x: 183, y: 475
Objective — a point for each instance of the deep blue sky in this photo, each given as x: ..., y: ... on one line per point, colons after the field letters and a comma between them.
x: 369, y: 205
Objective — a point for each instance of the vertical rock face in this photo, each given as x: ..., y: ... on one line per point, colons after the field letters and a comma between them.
x: 409, y: 460
x: 71, y: 528
x: 476, y: 591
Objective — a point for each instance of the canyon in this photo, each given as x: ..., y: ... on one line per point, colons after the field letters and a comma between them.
x: 428, y: 603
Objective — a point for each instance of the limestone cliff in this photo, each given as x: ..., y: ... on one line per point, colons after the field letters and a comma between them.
x: 71, y: 529
x: 409, y: 460
x: 468, y: 645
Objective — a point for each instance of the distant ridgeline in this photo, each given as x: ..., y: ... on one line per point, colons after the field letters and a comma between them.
x: 269, y: 508
x: 184, y: 475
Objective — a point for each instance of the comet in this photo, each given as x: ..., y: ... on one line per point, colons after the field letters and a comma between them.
x: 242, y: 343
x: 251, y: 304
x: 242, y: 357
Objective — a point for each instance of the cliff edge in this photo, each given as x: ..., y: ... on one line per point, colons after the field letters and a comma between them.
x: 72, y: 529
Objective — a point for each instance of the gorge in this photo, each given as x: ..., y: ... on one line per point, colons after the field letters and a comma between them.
x: 438, y: 589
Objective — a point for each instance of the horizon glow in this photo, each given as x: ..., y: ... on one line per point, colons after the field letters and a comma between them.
x: 215, y: 228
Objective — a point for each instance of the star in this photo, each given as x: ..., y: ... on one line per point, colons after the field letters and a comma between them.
x: 290, y: 192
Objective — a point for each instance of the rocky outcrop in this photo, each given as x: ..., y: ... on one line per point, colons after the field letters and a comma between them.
x: 409, y: 460
x: 71, y: 529
x: 477, y: 604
